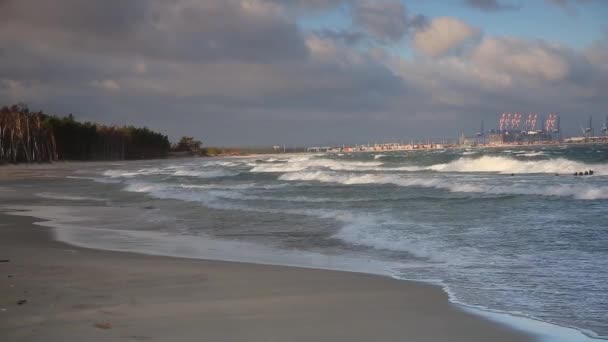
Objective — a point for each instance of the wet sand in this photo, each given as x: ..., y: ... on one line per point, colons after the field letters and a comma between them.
x: 77, y: 294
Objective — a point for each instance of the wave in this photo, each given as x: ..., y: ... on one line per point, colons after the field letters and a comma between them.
x: 378, y: 156
x: 96, y: 179
x: 295, y: 165
x: 509, y: 165
x: 357, y: 228
x: 167, y: 191
x: 529, y: 154
x: 55, y: 196
x: 383, y: 234
x: 577, y: 191
x: 122, y: 173
x: 236, y: 186
x: 223, y: 163
x: 216, y: 199
x: 210, y: 192
x: 178, y: 171
x: 205, y: 173
x: 403, y: 168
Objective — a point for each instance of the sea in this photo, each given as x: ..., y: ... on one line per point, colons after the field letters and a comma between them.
x: 511, y: 233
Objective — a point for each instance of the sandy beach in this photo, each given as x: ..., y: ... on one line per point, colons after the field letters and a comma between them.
x: 75, y: 294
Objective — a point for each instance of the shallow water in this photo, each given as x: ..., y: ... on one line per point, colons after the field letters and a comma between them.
x: 510, y: 230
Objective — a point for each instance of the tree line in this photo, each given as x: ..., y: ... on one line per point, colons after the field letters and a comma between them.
x: 28, y: 136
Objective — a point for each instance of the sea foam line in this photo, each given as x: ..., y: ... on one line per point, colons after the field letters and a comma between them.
x: 577, y: 191
x: 66, y: 229
x: 506, y: 165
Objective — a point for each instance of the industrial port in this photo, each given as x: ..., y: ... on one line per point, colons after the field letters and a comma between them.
x: 511, y: 129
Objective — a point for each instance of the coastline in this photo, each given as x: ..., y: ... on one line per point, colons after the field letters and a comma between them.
x: 76, y: 293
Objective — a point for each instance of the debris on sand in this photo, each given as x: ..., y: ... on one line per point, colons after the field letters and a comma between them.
x: 104, y: 325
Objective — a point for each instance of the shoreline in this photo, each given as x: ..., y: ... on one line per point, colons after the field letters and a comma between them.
x: 271, y: 153
x: 521, y: 325
x: 363, y: 307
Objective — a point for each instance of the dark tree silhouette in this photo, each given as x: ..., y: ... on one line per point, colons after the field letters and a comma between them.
x: 27, y: 136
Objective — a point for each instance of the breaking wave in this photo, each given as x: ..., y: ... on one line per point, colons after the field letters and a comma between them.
x: 55, y: 196
x: 171, y: 171
x: 205, y: 173
x: 303, y: 164
x: 368, y: 230
x: 529, y: 154
x: 382, y: 234
x: 96, y: 179
x: 508, y: 165
x: 577, y: 191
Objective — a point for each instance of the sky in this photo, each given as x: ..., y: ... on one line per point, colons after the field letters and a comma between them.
x: 307, y: 72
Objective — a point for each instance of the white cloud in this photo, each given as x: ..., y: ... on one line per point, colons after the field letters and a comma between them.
x: 109, y: 85
x: 442, y: 35
x: 534, y: 59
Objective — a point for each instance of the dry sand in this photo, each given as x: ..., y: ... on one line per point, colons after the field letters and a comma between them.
x: 76, y: 294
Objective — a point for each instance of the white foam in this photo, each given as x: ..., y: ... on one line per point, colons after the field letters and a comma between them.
x: 577, y: 191
x: 96, y: 179
x: 205, y: 173
x: 234, y: 186
x: 383, y: 234
x: 295, y: 165
x: 199, y: 171
x: 532, y: 154
x: 223, y: 163
x: 56, y: 196
x: 509, y: 165
x: 134, y: 173
x: 65, y: 221
x: 543, y: 331
x: 65, y: 224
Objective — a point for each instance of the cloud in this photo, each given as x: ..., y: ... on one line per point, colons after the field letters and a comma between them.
x: 109, y: 85
x: 443, y: 35
x: 569, y: 5
x: 386, y: 20
x: 490, y: 5
x: 348, y: 37
x: 92, y: 17
x: 597, y: 54
x: 311, y: 5
x: 538, y: 60
x: 184, y: 29
x: 249, y: 71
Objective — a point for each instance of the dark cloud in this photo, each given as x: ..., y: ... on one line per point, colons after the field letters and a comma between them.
x: 248, y: 72
x: 183, y: 30
x: 565, y: 3
x: 311, y: 5
x: 490, y: 5
x: 245, y: 60
x: 569, y: 5
x: 386, y: 20
x: 95, y: 18
x: 347, y: 37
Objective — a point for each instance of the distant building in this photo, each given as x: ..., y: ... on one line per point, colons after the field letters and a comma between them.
x: 496, y: 139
